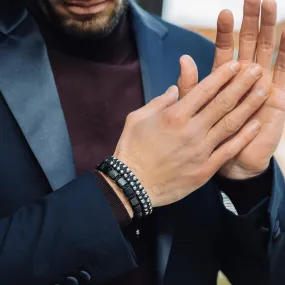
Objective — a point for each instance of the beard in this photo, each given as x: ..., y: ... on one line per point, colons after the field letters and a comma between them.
x: 88, y: 27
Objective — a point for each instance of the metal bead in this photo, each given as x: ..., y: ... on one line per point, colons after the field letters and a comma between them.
x: 140, y: 197
x: 138, y: 193
x: 141, y: 187
x: 143, y: 201
x: 135, y: 188
x: 128, y: 170
x: 148, y: 199
x: 118, y: 168
x: 111, y: 162
x: 143, y: 191
x: 126, y: 175
x: 135, y: 178
x: 131, y: 174
x: 132, y: 184
x: 145, y: 205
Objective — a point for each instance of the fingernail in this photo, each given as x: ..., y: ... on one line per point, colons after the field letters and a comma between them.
x: 173, y: 92
x: 235, y: 66
x: 255, y: 126
x: 256, y: 70
x: 187, y: 59
x: 261, y: 93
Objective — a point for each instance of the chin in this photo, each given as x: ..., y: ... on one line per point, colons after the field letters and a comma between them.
x: 82, y: 26
x: 87, y: 28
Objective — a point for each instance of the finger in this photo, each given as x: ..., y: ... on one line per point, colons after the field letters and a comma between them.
x: 233, y: 147
x: 226, y: 101
x: 189, y: 75
x: 279, y: 71
x: 161, y: 102
x: 206, y: 90
x: 249, y: 31
x: 225, y: 39
x: 234, y: 121
x: 266, y: 38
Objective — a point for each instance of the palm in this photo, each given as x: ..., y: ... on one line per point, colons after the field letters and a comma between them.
x: 256, y: 156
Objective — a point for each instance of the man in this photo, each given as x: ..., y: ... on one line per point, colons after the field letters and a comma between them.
x: 71, y: 72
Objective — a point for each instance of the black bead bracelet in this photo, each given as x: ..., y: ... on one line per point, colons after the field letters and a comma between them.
x: 113, y: 174
x: 134, y: 183
x: 128, y: 182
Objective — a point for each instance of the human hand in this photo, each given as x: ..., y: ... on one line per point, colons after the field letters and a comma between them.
x: 173, y: 147
x: 260, y: 43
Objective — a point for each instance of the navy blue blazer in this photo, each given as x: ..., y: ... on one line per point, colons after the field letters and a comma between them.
x: 54, y: 224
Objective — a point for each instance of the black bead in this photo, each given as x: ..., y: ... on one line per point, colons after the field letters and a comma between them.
x: 128, y: 191
x: 134, y: 202
x: 113, y: 174
x: 122, y: 182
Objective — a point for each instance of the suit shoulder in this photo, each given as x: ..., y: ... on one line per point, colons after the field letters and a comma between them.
x: 186, y: 38
x: 180, y: 41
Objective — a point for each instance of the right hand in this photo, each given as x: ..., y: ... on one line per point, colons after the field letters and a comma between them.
x: 174, y: 147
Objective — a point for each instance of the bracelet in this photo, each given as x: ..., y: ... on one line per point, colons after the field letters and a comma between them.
x: 113, y: 174
x: 134, y: 183
x: 128, y: 182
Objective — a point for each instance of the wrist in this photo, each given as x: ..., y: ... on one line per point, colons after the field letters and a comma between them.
x: 120, y: 195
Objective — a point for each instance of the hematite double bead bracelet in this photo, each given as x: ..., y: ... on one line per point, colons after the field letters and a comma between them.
x: 129, y: 183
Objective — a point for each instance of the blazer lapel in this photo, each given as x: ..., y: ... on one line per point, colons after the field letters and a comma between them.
x: 27, y: 84
x: 157, y: 77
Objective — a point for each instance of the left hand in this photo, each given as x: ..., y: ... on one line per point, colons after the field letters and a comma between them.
x: 260, y: 43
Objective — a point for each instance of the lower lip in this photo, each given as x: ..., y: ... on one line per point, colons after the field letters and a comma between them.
x: 82, y: 10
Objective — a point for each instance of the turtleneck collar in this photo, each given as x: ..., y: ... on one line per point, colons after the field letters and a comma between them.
x: 118, y: 47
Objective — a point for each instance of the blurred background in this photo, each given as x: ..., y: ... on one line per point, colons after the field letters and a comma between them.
x: 201, y: 16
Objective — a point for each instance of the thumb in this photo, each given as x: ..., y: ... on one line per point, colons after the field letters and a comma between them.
x: 189, y: 75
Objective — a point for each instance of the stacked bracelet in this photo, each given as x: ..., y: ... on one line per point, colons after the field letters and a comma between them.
x: 128, y: 182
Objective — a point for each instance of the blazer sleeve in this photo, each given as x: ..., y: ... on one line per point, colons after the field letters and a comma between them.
x: 253, y: 247
x: 71, y: 231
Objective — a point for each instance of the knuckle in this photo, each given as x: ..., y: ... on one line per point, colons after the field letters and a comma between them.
x: 231, y: 125
x: 265, y: 45
x: 132, y: 118
x: 280, y: 67
x: 225, y: 104
x: 229, y: 153
x: 248, y: 37
x: 256, y: 102
x: 207, y: 92
x: 171, y: 119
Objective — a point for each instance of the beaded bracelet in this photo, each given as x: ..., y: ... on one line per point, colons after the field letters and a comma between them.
x: 128, y: 182
x: 113, y: 174
x: 134, y: 183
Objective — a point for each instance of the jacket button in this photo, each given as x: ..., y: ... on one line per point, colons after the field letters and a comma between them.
x: 84, y: 276
x: 277, y: 231
x: 70, y: 281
